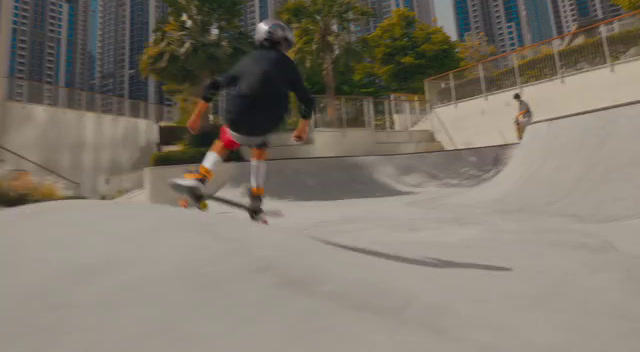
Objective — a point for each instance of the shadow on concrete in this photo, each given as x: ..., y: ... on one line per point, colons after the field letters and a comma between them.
x: 425, y: 262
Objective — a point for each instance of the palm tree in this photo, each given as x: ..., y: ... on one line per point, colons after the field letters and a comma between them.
x: 198, y: 39
x: 323, y: 29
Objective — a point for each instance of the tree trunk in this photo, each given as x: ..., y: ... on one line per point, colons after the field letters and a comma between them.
x: 330, y: 92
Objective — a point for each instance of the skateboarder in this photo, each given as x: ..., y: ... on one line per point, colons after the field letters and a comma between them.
x: 258, y: 89
x: 523, y: 119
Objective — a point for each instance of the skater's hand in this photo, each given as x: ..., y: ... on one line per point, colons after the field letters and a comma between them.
x: 302, y: 132
x: 196, y: 118
x: 194, y: 124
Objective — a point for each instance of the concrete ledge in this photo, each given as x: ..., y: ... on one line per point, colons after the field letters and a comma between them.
x: 335, y: 178
x: 325, y: 143
x: 352, y: 142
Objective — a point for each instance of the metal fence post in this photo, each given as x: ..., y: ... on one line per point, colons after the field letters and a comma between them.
x: 483, y: 84
x: 556, y: 56
x: 343, y: 110
x: 453, y: 87
x: 516, y: 68
x: 605, y: 45
x: 387, y: 123
x: 370, y: 113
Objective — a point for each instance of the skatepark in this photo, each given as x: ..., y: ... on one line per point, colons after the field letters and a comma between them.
x: 500, y: 249
x: 450, y: 236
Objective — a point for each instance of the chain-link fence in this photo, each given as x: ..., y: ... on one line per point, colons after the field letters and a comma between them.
x: 397, y: 113
x: 594, y: 46
x: 45, y: 94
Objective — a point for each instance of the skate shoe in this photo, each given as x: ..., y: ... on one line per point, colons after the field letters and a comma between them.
x: 255, y: 201
x: 192, y: 182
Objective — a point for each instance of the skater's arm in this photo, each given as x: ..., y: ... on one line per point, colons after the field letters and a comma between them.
x: 302, y: 93
x: 210, y: 90
x: 194, y: 121
x: 217, y: 84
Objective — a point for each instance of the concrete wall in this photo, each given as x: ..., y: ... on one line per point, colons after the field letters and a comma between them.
x: 352, y: 142
x: 101, y: 152
x: 323, y: 144
x: 488, y: 120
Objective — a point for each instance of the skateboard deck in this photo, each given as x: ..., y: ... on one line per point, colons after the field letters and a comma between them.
x: 200, y: 202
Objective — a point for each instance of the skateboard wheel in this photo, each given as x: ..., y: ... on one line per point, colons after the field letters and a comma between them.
x: 203, y: 205
x: 184, y: 203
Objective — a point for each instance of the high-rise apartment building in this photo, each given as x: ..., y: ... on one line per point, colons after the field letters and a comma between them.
x: 47, y: 41
x: 124, y: 29
x: 112, y: 59
x: 499, y: 20
x: 144, y: 16
x: 569, y: 13
x: 256, y: 11
x: 509, y: 24
x: 537, y: 21
x: 424, y: 9
x: 605, y: 9
x: 92, y: 44
x: 79, y: 61
x: 40, y: 44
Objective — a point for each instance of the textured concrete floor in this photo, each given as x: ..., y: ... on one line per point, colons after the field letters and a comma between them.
x: 543, y: 257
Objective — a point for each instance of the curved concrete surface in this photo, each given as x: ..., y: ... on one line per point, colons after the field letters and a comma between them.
x: 496, y: 267
x: 328, y: 179
x: 340, y: 178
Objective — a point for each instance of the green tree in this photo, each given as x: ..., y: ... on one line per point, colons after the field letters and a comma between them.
x: 323, y: 29
x: 404, y: 51
x: 198, y: 39
x: 629, y: 5
x: 476, y: 48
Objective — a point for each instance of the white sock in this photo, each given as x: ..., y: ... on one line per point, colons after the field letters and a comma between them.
x: 258, y: 173
x: 211, y: 160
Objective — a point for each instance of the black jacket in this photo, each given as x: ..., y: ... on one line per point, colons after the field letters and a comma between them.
x: 257, y: 92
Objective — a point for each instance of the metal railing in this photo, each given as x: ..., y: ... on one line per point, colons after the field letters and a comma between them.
x: 68, y: 98
x: 396, y: 113
x: 598, y: 45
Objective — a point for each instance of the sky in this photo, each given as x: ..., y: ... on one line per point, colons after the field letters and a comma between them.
x: 445, y: 15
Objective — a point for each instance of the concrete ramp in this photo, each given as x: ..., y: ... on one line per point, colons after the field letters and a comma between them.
x: 327, y: 179
x: 508, y: 263
x: 587, y: 167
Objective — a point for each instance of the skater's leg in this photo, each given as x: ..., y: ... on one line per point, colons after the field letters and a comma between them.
x: 518, y: 126
x: 214, y: 157
x: 258, y: 176
x: 258, y: 170
x: 195, y: 180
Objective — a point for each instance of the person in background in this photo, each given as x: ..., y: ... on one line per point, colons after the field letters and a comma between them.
x: 523, y: 119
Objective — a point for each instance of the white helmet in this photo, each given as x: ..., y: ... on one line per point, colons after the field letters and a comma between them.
x: 274, y: 33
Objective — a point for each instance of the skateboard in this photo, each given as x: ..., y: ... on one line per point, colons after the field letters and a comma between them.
x: 519, y: 128
x: 200, y: 202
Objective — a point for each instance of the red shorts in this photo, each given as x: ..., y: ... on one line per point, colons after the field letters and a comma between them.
x: 227, y: 139
x: 231, y: 140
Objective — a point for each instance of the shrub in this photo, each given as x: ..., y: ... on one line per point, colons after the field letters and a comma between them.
x: 21, y: 189
x: 172, y: 134
x: 204, y: 139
